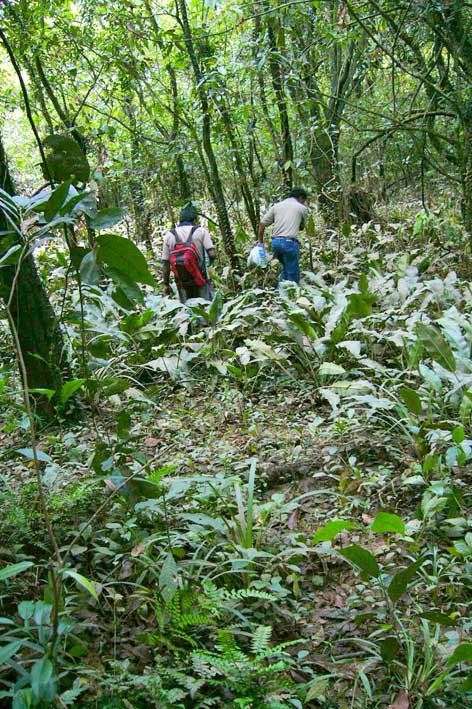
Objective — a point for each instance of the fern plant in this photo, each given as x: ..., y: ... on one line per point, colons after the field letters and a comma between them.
x: 255, y: 678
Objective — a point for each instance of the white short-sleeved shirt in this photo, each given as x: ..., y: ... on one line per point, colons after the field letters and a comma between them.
x: 288, y: 217
x: 201, y: 238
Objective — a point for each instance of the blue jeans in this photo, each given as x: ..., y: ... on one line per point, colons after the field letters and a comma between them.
x: 288, y: 253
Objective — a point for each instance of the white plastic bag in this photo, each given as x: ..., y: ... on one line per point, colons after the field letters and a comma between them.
x: 254, y: 258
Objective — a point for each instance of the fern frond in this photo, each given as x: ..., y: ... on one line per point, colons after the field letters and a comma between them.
x: 198, y: 617
x: 261, y: 639
x: 278, y: 649
x: 239, y: 594
x: 204, y: 666
x: 212, y: 594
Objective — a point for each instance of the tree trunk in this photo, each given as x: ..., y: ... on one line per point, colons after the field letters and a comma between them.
x: 466, y: 181
x: 324, y: 160
x: 279, y: 90
x: 240, y: 170
x: 184, y: 186
x: 142, y: 222
x: 35, y: 323
x: 216, y: 186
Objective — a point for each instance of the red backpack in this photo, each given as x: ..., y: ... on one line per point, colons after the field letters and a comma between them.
x: 184, y: 261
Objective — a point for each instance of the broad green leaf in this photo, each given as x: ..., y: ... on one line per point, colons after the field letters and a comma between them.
x: 65, y: 159
x: 23, y: 699
x: 41, y: 673
x: 436, y: 345
x: 317, y: 689
x: 302, y: 323
x: 365, y: 681
x: 69, y: 388
x: 26, y: 609
x: 215, y: 308
x: 467, y: 685
x: 387, y: 522
x: 458, y: 434
x: 120, y: 297
x: 389, y: 648
x: 438, y: 617
x: 115, y: 385
x: 11, y: 255
x: 82, y: 581
x: 77, y: 254
x: 346, y: 229
x: 400, y: 581
x: 71, y: 205
x: 168, y: 578
x: 360, y: 304
x: 124, y: 256
x: 40, y: 455
x: 331, y: 369
x: 363, y: 283
x: 361, y: 558
x: 331, y: 529
x: 7, y: 651
x: 129, y: 287
x: 411, y: 400
x: 14, y: 569
x: 56, y: 200
x: 89, y: 270
x: 462, y: 653
x: 106, y: 218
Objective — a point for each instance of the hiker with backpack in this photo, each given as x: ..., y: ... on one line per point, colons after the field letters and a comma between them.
x: 184, y: 253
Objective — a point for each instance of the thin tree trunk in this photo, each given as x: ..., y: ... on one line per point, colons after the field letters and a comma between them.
x: 216, y: 186
x: 184, y: 186
x: 239, y: 166
x: 142, y: 222
x: 279, y: 90
x: 38, y: 330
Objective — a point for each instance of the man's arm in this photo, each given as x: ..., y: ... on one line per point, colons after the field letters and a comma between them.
x: 208, y: 245
x: 166, y: 276
x: 304, y: 218
x: 260, y: 233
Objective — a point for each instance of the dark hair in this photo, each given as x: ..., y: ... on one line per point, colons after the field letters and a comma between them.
x: 298, y: 192
x: 188, y: 213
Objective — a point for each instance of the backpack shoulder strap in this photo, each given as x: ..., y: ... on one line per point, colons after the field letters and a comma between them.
x: 176, y: 236
x: 192, y: 232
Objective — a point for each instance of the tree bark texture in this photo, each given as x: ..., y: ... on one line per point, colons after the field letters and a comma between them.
x: 39, y: 334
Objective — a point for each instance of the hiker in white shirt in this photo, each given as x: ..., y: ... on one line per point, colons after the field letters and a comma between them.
x: 288, y: 218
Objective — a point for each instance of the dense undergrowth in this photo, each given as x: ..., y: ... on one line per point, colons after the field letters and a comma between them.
x: 268, y: 511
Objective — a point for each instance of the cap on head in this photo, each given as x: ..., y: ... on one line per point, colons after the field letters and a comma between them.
x: 188, y: 213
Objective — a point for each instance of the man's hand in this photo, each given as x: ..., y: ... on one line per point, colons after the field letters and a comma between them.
x: 167, y: 289
x: 260, y: 233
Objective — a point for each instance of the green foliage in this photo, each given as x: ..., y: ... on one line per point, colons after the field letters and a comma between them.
x: 65, y: 160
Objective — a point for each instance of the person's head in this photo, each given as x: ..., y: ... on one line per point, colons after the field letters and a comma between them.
x: 299, y: 193
x: 188, y: 213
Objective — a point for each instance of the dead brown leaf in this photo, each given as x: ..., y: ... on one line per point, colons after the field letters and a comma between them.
x: 152, y: 442
x: 401, y: 702
x: 138, y: 550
